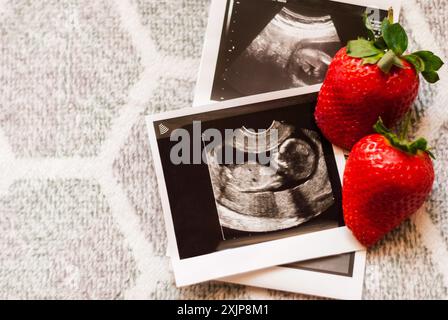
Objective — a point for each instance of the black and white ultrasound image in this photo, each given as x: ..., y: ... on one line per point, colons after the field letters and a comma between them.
x: 270, y: 45
x: 217, y: 206
x: 291, y: 187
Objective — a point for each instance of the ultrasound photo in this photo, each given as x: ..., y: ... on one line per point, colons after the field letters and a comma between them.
x: 293, y: 191
x: 292, y: 188
x: 270, y: 45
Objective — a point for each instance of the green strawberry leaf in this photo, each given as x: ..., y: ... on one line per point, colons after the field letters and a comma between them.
x: 431, y: 76
x: 416, y: 61
x: 430, y: 153
x: 380, y: 43
x: 432, y: 62
x: 420, y: 144
x: 385, y: 24
x: 427, y: 63
x: 402, y: 143
x: 395, y: 38
x: 373, y: 59
x: 362, y: 48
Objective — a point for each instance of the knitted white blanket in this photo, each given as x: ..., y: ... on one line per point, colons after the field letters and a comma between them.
x: 80, y: 215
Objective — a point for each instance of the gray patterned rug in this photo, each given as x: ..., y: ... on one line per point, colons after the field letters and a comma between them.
x: 80, y: 216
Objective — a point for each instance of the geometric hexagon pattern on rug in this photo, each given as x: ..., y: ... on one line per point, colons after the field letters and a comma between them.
x: 67, y: 67
x: 400, y: 267
x: 428, y: 92
x: 438, y: 203
x: 58, y: 240
x: 134, y: 168
x: 171, y: 94
x: 437, y: 22
x: 282, y: 295
x: 208, y: 290
x: 177, y: 27
x: 135, y: 172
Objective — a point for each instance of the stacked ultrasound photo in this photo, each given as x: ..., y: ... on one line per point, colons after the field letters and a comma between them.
x: 269, y: 45
x: 283, y: 193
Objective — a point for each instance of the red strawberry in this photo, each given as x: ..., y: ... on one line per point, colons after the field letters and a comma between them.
x: 354, y: 95
x: 370, y: 79
x: 385, y: 181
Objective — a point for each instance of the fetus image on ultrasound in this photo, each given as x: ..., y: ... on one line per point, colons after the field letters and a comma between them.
x: 293, y: 50
x: 287, y: 191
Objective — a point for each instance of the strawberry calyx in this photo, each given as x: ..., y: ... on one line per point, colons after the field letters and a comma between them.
x: 401, y: 142
x: 387, y: 49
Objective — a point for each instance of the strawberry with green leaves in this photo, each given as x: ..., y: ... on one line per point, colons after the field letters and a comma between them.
x: 386, y: 179
x: 372, y: 78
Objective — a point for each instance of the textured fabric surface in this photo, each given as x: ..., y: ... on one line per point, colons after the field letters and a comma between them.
x: 80, y: 215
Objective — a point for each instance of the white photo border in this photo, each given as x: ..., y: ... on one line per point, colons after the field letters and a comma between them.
x: 310, y: 282
x: 256, y: 256
x: 302, y: 281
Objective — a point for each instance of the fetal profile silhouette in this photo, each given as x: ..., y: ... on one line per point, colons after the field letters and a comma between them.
x: 293, y: 50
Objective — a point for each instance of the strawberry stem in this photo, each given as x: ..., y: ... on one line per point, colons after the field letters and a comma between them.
x: 405, y: 126
x: 390, y: 15
x: 387, y: 61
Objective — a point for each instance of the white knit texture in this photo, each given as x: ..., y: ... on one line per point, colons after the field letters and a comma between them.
x: 80, y: 215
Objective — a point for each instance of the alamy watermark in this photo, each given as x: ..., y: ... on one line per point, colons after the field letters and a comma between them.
x: 226, y: 147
